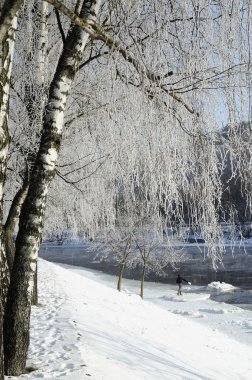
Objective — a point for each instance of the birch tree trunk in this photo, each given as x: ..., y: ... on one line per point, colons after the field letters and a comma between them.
x: 11, y: 222
x: 142, y: 280
x: 36, y: 94
x: 18, y: 306
x: 123, y: 263
x: 6, y: 55
x: 120, y: 276
x: 41, y: 81
x: 1, y: 344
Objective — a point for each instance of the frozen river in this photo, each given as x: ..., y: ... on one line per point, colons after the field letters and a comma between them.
x: 237, y: 270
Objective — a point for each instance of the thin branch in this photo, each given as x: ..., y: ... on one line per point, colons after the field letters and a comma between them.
x: 60, y: 25
x: 85, y: 165
x: 81, y: 179
x: 215, y: 76
x: 83, y: 113
x: 68, y: 182
x: 90, y: 59
x: 72, y: 163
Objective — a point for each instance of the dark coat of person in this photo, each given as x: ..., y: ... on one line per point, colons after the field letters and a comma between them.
x: 180, y: 279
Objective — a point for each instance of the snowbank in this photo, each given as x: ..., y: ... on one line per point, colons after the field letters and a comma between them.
x: 218, y: 286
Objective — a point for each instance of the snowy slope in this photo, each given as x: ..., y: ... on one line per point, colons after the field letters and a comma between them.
x: 86, y: 329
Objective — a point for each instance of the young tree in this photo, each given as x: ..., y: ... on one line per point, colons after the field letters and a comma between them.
x: 114, y: 246
x: 151, y: 253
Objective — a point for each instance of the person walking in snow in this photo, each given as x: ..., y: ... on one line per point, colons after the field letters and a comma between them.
x: 179, y: 282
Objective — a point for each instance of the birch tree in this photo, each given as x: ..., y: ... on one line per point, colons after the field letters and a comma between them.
x: 17, y: 312
x: 145, y: 247
x: 8, y: 21
x: 193, y: 40
x: 34, y: 17
x: 7, y: 49
x: 114, y: 247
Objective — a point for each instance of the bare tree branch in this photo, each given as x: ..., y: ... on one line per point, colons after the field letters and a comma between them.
x: 60, y: 25
x: 90, y: 59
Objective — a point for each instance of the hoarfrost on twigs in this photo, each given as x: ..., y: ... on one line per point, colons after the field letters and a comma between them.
x: 161, y: 139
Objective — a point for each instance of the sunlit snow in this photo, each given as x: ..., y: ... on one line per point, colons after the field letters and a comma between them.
x: 84, y: 328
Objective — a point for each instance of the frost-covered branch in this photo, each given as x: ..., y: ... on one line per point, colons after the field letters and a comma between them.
x: 96, y: 32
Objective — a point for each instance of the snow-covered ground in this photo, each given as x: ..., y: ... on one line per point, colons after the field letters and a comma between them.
x: 84, y: 328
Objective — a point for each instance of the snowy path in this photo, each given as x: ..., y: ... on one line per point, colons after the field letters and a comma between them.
x: 86, y: 329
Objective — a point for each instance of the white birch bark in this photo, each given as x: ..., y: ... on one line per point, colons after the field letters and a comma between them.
x: 6, y: 55
x: 42, y: 44
x: 41, y: 83
x: 12, y: 219
x: 17, y: 315
x: 35, y: 102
